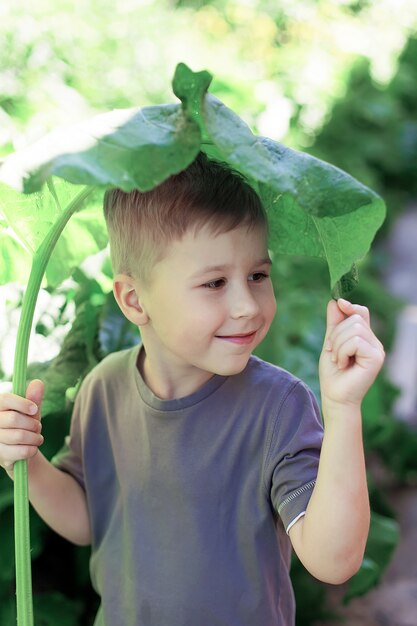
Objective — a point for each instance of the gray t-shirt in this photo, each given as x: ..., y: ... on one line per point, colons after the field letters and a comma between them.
x: 189, y: 498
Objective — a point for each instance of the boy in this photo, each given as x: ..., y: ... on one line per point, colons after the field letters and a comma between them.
x: 191, y: 465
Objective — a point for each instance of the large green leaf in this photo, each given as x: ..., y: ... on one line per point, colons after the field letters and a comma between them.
x: 127, y: 148
x: 314, y: 208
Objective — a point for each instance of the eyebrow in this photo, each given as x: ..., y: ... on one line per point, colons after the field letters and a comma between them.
x: 222, y: 268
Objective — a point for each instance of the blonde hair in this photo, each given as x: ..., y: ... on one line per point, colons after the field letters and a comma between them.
x: 208, y: 193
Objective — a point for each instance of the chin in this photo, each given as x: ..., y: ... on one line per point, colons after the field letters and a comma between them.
x: 229, y: 369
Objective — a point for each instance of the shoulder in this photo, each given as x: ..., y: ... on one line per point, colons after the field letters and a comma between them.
x: 266, y: 376
x: 275, y: 387
x: 113, y: 369
x: 109, y: 383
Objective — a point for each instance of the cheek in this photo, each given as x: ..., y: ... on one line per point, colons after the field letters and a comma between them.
x: 270, y: 305
x: 273, y: 307
x: 202, y: 318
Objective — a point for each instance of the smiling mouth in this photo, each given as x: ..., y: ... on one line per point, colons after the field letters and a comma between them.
x: 240, y: 338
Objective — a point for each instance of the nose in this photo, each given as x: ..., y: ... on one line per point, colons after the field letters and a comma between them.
x: 243, y: 303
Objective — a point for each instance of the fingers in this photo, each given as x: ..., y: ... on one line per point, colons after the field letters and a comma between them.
x: 10, y: 454
x: 35, y: 391
x: 16, y: 445
x: 334, y: 316
x: 349, y: 309
x: 20, y: 437
x: 15, y: 420
x: 10, y: 401
x: 354, y: 347
x: 353, y: 337
x: 20, y: 426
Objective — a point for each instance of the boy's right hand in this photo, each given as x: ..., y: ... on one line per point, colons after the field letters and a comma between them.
x: 20, y: 425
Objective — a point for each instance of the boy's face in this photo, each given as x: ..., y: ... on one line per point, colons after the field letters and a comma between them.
x: 210, y: 302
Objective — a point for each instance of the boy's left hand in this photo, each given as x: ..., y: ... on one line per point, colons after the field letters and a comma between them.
x: 352, y: 355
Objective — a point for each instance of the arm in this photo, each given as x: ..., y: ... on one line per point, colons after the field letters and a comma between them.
x: 330, y: 539
x: 59, y: 500
x: 55, y: 495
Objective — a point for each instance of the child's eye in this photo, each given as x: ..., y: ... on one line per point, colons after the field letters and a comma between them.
x: 257, y: 277
x: 215, y: 284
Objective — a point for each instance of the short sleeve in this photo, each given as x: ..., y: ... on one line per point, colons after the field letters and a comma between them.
x: 69, y: 458
x: 294, y: 451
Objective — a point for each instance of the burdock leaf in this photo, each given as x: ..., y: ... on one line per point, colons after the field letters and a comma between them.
x: 314, y: 208
x: 191, y: 88
x: 347, y: 283
x: 127, y: 148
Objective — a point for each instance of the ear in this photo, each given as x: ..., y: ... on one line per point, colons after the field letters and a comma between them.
x: 126, y: 291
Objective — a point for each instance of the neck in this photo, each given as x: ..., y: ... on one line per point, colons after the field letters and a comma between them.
x: 167, y: 384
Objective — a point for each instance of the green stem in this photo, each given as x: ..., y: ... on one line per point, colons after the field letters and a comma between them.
x: 21, y: 495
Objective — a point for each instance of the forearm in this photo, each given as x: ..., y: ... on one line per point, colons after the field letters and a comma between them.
x: 59, y: 500
x: 334, y: 530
